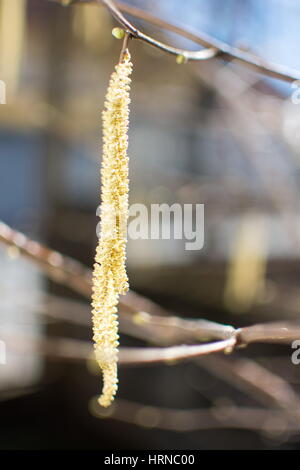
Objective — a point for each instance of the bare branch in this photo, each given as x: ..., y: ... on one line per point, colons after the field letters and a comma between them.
x: 71, y: 273
x: 173, y: 353
x: 151, y: 317
x: 71, y: 349
x: 184, y: 420
x: 257, y: 381
x: 213, y: 46
x: 67, y: 271
x: 247, y: 375
x: 279, y: 333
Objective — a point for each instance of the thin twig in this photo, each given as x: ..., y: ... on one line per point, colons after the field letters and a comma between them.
x: 213, y: 46
x: 257, y: 381
x: 124, y: 46
x: 67, y: 271
x: 244, y: 374
x: 278, y: 332
x: 71, y: 273
x: 203, y: 54
x: 174, y: 353
x: 186, y: 420
x: 78, y: 350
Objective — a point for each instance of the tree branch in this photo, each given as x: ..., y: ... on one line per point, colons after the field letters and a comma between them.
x: 155, y: 319
x: 78, y: 350
x: 213, y: 46
x: 72, y: 274
x: 67, y: 271
x: 257, y: 381
x: 173, y: 353
x: 186, y: 420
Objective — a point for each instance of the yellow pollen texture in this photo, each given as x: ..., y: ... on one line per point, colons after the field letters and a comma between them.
x: 109, y: 275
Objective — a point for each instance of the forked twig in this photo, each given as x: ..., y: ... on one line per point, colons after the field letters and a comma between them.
x: 213, y: 47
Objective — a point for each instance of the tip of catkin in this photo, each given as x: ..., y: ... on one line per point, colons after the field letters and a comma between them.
x: 104, y: 401
x: 110, y: 385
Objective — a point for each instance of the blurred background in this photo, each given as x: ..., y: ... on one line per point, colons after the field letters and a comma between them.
x: 213, y: 133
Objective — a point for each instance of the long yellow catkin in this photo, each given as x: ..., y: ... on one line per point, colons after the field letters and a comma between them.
x: 109, y: 276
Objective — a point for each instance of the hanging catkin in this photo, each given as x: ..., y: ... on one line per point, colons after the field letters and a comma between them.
x: 110, y: 277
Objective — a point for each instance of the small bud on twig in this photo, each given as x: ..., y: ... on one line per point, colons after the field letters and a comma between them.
x: 118, y: 33
x: 181, y: 59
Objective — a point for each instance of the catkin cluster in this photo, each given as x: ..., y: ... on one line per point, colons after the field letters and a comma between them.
x: 109, y: 276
